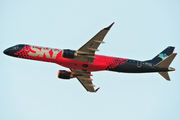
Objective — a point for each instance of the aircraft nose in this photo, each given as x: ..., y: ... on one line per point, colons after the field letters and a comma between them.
x: 6, y: 52
x: 12, y: 50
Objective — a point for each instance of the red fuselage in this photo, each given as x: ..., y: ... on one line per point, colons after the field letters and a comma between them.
x: 100, y: 62
x: 46, y: 54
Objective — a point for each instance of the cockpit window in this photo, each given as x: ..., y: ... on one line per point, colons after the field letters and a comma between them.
x: 19, y: 46
x: 14, y: 47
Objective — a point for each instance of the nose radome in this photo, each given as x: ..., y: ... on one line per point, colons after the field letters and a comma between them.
x: 5, y: 52
x: 8, y: 51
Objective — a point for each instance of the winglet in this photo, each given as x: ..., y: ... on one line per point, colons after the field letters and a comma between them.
x: 97, y: 89
x: 108, y: 28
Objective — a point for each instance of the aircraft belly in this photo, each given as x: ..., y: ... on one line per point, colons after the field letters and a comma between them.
x: 78, y: 65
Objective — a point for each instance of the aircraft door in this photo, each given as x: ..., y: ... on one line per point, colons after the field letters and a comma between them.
x: 139, y: 63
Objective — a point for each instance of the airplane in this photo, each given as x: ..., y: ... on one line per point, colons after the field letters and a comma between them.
x: 83, y: 61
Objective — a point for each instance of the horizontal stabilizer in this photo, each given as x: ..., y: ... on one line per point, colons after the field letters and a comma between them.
x: 165, y: 75
x: 166, y: 62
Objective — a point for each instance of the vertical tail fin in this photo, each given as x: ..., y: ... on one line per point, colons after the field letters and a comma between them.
x: 162, y: 55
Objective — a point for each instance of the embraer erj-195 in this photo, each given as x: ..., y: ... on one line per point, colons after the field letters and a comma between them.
x: 83, y: 61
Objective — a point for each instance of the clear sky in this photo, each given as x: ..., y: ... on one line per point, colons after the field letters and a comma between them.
x: 30, y: 90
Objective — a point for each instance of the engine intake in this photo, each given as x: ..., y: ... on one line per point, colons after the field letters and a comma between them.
x: 69, y: 53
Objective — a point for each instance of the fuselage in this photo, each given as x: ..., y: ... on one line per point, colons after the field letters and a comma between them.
x: 100, y: 62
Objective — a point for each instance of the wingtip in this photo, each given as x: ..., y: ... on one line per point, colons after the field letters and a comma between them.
x: 109, y: 27
x: 97, y: 89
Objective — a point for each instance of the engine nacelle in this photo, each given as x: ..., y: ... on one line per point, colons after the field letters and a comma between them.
x: 64, y: 74
x: 69, y: 53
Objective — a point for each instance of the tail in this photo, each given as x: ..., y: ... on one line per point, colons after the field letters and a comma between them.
x: 165, y: 64
x: 163, y: 60
x: 162, y: 55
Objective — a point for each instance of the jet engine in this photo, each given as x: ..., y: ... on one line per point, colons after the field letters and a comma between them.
x: 64, y: 74
x: 69, y: 53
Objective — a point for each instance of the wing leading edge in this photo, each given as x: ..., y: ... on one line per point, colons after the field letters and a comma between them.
x: 88, y: 50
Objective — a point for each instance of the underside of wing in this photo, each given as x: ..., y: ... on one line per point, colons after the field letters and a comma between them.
x: 88, y: 50
x: 85, y: 80
x: 87, y: 83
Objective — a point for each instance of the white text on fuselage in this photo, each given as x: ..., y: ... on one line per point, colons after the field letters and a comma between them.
x: 42, y: 51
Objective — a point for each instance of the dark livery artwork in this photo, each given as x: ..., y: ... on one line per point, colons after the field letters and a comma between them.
x: 83, y: 61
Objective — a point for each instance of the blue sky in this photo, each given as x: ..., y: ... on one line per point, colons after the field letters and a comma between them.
x: 31, y: 90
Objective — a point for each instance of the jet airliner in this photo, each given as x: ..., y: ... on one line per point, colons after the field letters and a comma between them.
x: 83, y: 61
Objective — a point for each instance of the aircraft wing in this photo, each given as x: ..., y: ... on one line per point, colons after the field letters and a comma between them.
x: 85, y: 80
x: 88, y: 50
